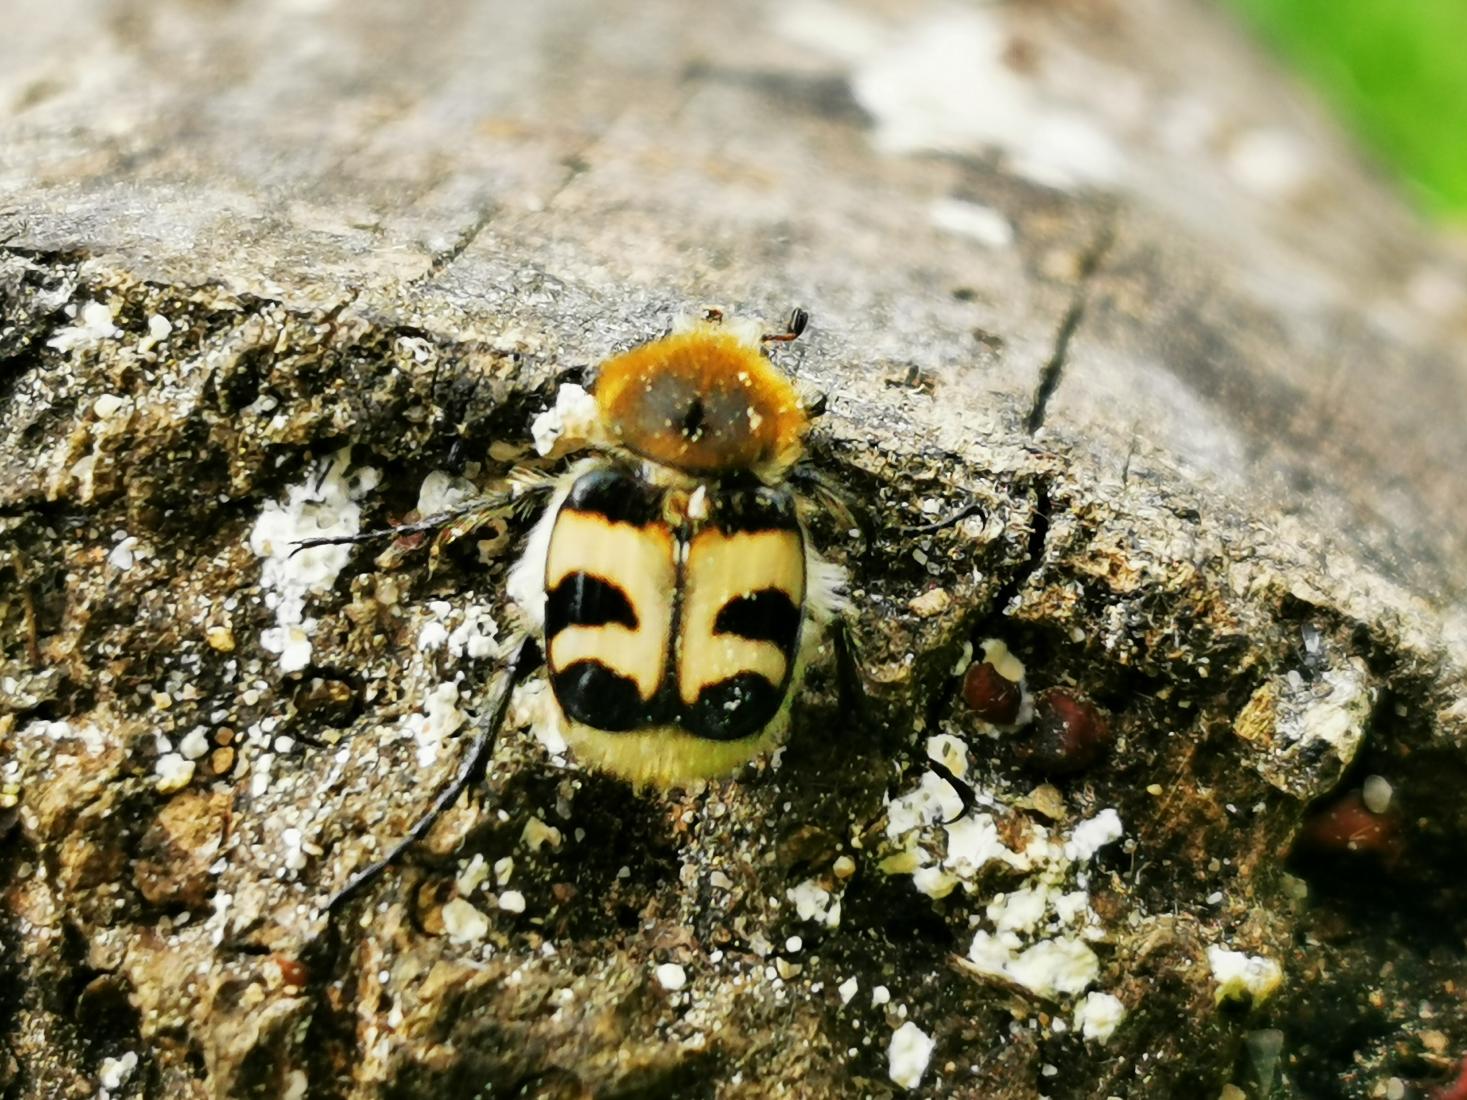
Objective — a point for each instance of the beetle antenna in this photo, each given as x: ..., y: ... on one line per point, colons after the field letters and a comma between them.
x: 972, y: 508
x: 794, y: 328
x: 526, y: 657
x: 485, y: 506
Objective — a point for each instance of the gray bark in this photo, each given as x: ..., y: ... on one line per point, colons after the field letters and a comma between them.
x: 1095, y: 267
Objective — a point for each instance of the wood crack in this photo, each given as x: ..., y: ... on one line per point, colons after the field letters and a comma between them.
x: 460, y: 245
x: 1049, y: 377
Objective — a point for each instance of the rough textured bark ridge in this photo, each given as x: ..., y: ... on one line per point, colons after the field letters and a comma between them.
x: 273, y: 269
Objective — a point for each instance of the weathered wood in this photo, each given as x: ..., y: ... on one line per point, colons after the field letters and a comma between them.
x: 1092, y: 265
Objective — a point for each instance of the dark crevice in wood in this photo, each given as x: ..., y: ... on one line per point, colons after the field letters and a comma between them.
x: 1049, y: 377
x: 442, y: 260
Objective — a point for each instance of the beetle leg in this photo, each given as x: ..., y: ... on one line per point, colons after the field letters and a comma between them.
x: 964, y: 790
x: 972, y: 508
x: 475, y: 763
x: 849, y: 678
x: 831, y: 497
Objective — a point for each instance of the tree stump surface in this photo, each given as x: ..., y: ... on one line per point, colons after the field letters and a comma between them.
x: 1092, y: 269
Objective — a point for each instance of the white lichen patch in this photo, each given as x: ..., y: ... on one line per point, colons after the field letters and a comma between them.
x: 92, y: 325
x: 116, y: 1072
x: 109, y: 405
x: 942, y: 81
x: 219, y: 920
x: 1098, y: 1015
x: 671, y: 976
x: 469, y: 631
x: 1308, y: 728
x: 1241, y: 977
x: 1376, y: 793
x: 537, y: 835
x: 1034, y: 932
x: 533, y: 707
x: 1062, y: 965
x: 1334, y: 711
x: 432, y: 635
x: 972, y: 220
x: 813, y: 902
x: 949, y: 751
x: 472, y: 876
x: 934, y: 881
x: 931, y: 801
x: 463, y: 922
x: 159, y: 329
x: 907, y: 1055
x: 441, y: 491
x: 295, y: 848
x: 997, y: 653
x: 194, y: 744
x: 567, y: 425
x: 173, y: 771
x: 123, y: 556
x: 973, y: 843
x: 1094, y: 834
x: 503, y: 870
x: 1271, y: 162
x: 476, y: 636
x: 321, y: 506
x: 439, y: 718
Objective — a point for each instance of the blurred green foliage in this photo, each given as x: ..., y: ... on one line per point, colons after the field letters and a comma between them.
x: 1397, y: 69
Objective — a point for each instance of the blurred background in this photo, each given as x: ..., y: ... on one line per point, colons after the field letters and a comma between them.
x: 1396, y: 72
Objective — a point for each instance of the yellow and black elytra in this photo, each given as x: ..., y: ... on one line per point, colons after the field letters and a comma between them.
x: 669, y: 583
x: 673, y: 621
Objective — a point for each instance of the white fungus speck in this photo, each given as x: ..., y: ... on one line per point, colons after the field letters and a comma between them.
x: 972, y: 220
x: 173, y: 772
x: 907, y: 1055
x: 123, y: 556
x: 573, y: 416
x: 108, y: 405
x: 1270, y: 162
x: 1098, y: 1016
x: 1243, y: 977
x: 1376, y: 794
x: 1094, y: 834
x: 114, y: 1072
x: 194, y: 744
x: 503, y: 870
x: 815, y: 903
x: 323, y: 505
x: 1061, y: 965
x: 472, y: 876
x: 671, y: 976
x: 93, y: 325
x: 463, y: 922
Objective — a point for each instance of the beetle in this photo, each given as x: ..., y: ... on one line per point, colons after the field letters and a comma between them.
x: 670, y: 582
